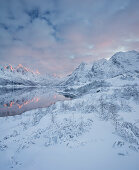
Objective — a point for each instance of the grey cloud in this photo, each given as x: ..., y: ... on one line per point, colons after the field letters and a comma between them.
x: 51, y: 32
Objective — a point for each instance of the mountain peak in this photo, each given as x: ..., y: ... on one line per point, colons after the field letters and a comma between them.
x: 9, y: 67
x: 20, y: 69
x: 127, y: 54
x: 82, y: 65
x: 120, y: 63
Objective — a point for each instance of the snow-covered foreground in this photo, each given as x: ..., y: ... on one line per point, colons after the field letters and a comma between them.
x: 97, y: 130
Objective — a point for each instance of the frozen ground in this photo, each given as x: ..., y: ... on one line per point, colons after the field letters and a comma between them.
x: 96, y: 131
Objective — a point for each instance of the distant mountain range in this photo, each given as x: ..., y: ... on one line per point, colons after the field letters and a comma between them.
x: 20, y: 69
x: 124, y: 64
x: 20, y: 75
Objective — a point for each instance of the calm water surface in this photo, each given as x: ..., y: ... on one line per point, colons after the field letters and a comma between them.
x: 16, y: 101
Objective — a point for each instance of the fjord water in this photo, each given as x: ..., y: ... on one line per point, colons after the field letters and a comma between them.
x: 14, y: 101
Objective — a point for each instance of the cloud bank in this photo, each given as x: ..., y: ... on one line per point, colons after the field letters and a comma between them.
x: 56, y: 35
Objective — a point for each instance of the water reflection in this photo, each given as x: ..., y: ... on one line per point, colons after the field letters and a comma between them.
x: 11, y: 104
x: 15, y: 101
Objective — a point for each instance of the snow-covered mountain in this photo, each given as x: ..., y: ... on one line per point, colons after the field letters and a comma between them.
x: 121, y: 64
x: 102, y: 73
x: 21, y: 75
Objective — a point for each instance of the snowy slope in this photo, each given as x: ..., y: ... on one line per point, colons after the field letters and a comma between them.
x: 21, y: 75
x: 99, y: 129
x: 122, y: 63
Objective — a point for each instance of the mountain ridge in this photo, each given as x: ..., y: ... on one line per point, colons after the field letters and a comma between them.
x: 120, y: 63
x: 20, y: 75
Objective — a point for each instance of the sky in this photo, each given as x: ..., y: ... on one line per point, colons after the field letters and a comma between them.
x: 55, y: 36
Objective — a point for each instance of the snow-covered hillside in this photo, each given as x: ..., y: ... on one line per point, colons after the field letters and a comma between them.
x: 20, y: 75
x: 120, y: 64
x: 98, y: 129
